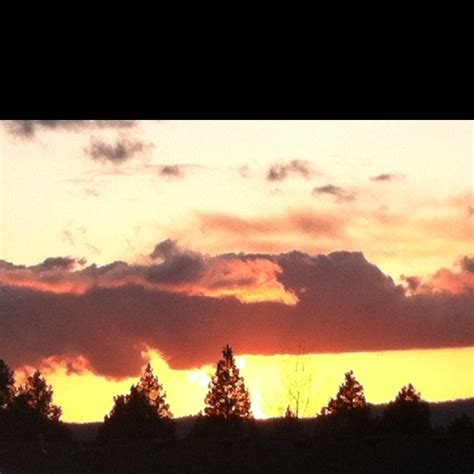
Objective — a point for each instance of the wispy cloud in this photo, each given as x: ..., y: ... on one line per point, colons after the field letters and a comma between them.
x: 387, y: 177
x: 29, y: 128
x: 339, y: 193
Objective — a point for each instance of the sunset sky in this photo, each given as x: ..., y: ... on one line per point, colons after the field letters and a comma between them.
x: 327, y: 245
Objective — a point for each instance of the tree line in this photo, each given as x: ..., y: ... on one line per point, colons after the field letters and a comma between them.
x: 27, y: 411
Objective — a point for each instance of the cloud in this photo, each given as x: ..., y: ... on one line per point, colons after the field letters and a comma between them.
x: 445, y: 280
x: 173, y: 171
x: 118, y: 152
x: 281, y: 171
x: 179, y: 270
x: 341, y: 303
x: 316, y: 224
x: 467, y: 264
x: 29, y: 128
x: 339, y: 193
x: 386, y: 177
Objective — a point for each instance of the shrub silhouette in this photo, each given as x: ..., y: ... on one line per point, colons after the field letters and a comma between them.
x: 407, y: 414
x: 348, y: 412
x: 7, y: 392
x: 143, y: 413
x: 7, y: 385
x: 227, y: 401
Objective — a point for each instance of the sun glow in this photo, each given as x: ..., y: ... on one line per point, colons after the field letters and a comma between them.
x: 88, y: 397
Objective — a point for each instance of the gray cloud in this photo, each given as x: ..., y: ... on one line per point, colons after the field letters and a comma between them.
x: 281, y: 171
x: 118, y: 152
x: 467, y: 264
x: 29, y: 128
x: 339, y: 193
x: 173, y: 171
x: 386, y: 177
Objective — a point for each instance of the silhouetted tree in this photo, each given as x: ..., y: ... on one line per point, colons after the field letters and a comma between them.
x: 36, y: 396
x: 227, y: 396
x: 33, y: 411
x: 408, y: 413
x: 227, y: 401
x: 349, y: 411
x: 349, y: 397
x: 7, y: 385
x: 143, y: 413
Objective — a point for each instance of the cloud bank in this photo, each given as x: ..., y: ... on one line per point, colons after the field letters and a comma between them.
x: 187, y: 305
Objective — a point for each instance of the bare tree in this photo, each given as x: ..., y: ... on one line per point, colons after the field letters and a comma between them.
x: 298, y: 383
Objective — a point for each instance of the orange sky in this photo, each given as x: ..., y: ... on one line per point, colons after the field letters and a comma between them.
x: 175, y: 234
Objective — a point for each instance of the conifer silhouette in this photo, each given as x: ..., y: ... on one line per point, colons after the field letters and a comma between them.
x: 227, y: 396
x: 36, y: 396
x: 143, y: 413
x: 408, y: 413
x: 349, y: 397
x: 32, y: 412
x: 149, y: 386
x: 408, y: 393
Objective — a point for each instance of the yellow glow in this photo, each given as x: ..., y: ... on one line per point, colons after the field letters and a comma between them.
x: 441, y: 374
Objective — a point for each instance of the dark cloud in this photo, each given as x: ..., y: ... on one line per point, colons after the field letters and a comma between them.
x: 339, y: 193
x: 413, y: 283
x: 467, y: 264
x: 386, y: 177
x: 165, y: 249
x: 178, y: 266
x: 344, y: 303
x: 118, y: 152
x: 470, y: 211
x: 59, y: 263
x: 29, y: 128
x: 281, y: 171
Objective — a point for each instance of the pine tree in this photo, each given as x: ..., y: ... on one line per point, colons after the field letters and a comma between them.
x: 143, y: 413
x: 408, y: 393
x: 153, y: 391
x: 36, y: 397
x: 32, y: 412
x: 407, y: 414
x: 7, y: 385
x: 349, y: 397
x: 227, y: 396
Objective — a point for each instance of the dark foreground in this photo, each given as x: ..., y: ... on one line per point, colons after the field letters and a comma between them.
x: 400, y: 454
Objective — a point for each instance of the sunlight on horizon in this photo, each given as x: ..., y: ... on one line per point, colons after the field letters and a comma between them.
x: 88, y: 397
